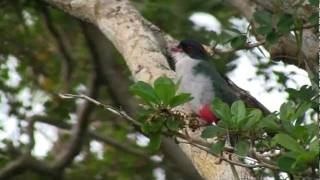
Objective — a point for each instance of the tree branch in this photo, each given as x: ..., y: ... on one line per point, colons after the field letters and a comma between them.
x: 214, y: 50
x: 111, y: 109
x: 30, y: 132
x: 286, y: 47
x: 26, y: 162
x: 95, y: 136
x: 66, y: 66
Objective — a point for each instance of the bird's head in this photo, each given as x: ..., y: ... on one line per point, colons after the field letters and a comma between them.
x: 192, y: 48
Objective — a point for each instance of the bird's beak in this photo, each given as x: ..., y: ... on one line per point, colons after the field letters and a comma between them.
x: 208, y: 49
x: 176, y: 49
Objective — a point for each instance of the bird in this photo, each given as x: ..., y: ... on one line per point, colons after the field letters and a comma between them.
x: 199, y: 77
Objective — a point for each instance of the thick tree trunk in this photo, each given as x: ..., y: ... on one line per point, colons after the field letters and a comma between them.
x: 143, y: 47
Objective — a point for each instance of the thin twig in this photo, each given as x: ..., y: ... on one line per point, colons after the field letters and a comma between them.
x: 107, y: 107
x: 214, y: 50
x: 66, y: 66
x: 30, y: 132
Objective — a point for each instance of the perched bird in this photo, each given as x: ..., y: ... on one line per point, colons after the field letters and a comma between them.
x: 199, y: 77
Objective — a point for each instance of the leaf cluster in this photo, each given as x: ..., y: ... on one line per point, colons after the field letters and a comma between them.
x: 287, y: 132
x: 157, y: 116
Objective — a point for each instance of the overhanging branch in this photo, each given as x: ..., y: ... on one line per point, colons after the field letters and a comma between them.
x: 286, y: 48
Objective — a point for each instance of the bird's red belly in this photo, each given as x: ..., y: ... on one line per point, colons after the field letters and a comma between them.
x: 207, y: 115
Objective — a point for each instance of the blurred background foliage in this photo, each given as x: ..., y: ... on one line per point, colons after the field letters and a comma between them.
x: 38, y: 44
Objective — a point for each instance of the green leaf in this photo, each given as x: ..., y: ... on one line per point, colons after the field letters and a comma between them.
x: 217, y: 147
x: 146, y: 128
x: 285, y: 23
x: 314, y: 146
x: 300, y: 132
x: 157, y: 125
x: 180, y: 99
x: 173, y: 124
x: 235, y: 30
x: 212, y: 131
x: 238, y: 109
x: 155, y: 142
x: 225, y: 37
x: 287, y: 111
x: 288, y: 142
x: 303, y: 94
x: 4, y: 74
x: 263, y: 17
x: 302, y: 108
x: 304, y: 159
x: 314, y: 2
x: 143, y: 114
x: 264, y: 30
x: 165, y: 89
x: 285, y: 163
x: 154, y: 126
x: 269, y: 122
x: 242, y: 148
x: 238, y: 42
x: 313, y: 19
x: 287, y: 126
x: 222, y: 111
x: 272, y: 38
x: 145, y: 92
x: 254, y: 118
x: 313, y: 130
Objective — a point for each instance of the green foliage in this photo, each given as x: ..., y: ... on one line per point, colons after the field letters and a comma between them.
x: 242, y: 147
x: 222, y: 111
x: 238, y: 42
x: 238, y: 111
x: 162, y: 95
x: 145, y: 92
x: 155, y: 142
x: 238, y: 117
x: 285, y: 163
x: 253, y: 118
x: 275, y: 25
x: 246, y: 128
x: 285, y: 23
x: 217, y: 147
x: 212, y: 131
x: 288, y: 142
x: 158, y: 116
x: 264, y: 19
x: 314, y: 2
x: 179, y: 99
x: 270, y: 123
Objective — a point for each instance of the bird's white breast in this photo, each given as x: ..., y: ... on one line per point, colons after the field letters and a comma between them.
x: 197, y: 84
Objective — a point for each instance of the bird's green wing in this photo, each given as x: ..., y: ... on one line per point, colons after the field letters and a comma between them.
x: 220, y: 86
x: 226, y: 90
